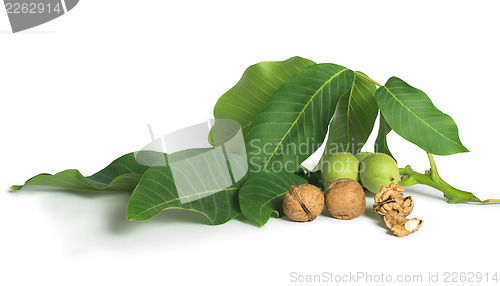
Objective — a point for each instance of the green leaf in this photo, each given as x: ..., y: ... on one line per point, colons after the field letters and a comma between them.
x: 411, y: 114
x: 258, y: 83
x: 195, y: 179
x: 262, y: 194
x: 353, y: 120
x: 123, y: 174
x: 312, y: 177
x: 381, y: 141
x: 294, y: 122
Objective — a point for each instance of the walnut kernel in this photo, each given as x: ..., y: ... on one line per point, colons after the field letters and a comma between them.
x: 402, y: 226
x: 394, y: 207
x: 389, y: 193
x: 400, y: 206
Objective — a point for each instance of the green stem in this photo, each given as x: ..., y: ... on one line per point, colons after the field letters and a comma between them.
x: 432, y: 178
x: 433, y: 171
x: 494, y: 201
x: 367, y: 78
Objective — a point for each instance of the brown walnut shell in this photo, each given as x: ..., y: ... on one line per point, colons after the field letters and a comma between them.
x: 303, y: 203
x: 345, y: 199
x: 402, y: 226
x: 400, y: 206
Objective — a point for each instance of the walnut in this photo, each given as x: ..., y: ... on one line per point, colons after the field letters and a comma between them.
x: 394, y: 207
x: 303, y: 203
x: 389, y: 193
x: 402, y: 226
x: 399, y: 206
x: 345, y: 199
x: 390, y: 200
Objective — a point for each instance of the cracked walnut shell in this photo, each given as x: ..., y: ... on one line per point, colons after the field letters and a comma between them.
x: 394, y: 207
x: 399, y: 206
x: 303, y: 203
x: 390, y: 200
x: 402, y: 226
x: 389, y: 193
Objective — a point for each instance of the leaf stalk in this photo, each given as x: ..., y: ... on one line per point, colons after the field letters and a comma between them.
x: 431, y: 178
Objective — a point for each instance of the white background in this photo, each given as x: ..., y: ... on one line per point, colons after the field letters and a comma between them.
x: 79, y: 92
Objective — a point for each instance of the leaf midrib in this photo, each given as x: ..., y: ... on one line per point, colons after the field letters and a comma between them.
x: 300, y: 114
x: 184, y: 197
x: 348, y: 114
x: 418, y: 117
